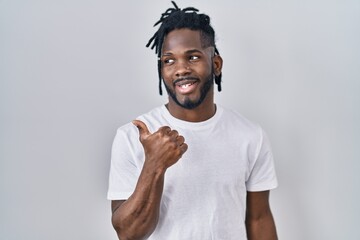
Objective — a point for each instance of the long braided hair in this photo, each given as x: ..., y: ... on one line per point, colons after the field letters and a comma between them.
x: 176, y: 18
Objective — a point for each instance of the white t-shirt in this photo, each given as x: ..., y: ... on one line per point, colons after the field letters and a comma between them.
x: 204, y: 194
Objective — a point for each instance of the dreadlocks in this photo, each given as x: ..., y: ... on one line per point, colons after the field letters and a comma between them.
x: 176, y: 18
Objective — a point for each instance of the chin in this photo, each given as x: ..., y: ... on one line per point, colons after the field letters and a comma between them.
x: 188, y: 103
x: 193, y: 100
x: 188, y: 99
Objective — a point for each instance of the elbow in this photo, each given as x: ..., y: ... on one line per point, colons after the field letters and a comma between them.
x: 132, y: 230
x: 123, y: 232
x: 117, y: 226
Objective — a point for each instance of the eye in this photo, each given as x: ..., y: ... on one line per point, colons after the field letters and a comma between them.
x: 168, y: 61
x: 193, y: 58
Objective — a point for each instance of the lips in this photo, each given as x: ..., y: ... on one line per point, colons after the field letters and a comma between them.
x: 186, y: 85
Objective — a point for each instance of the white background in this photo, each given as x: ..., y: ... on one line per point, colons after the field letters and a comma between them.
x: 72, y: 71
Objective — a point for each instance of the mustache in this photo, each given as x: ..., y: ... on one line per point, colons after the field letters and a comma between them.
x: 185, y: 78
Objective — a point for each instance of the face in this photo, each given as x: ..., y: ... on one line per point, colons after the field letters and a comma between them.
x: 188, y: 68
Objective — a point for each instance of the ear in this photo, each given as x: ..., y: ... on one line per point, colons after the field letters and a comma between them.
x: 217, y: 63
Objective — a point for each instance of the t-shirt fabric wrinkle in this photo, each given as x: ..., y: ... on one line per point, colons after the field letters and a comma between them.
x: 204, y: 195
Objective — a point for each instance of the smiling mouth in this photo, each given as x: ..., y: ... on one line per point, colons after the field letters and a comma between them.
x: 185, y: 82
x: 185, y: 85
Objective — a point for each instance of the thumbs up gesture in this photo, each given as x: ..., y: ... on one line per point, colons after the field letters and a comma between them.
x: 162, y: 148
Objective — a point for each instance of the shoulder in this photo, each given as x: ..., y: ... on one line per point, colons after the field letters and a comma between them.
x: 236, y: 121
x: 241, y: 129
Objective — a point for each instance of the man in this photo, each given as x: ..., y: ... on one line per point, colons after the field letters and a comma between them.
x: 199, y: 171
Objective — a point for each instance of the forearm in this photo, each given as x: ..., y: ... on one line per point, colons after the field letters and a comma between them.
x: 262, y: 228
x: 137, y: 217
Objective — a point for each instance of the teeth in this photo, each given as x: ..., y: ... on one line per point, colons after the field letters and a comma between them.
x: 185, y: 86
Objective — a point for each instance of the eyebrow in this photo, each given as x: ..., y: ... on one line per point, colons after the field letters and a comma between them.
x: 190, y: 51
x: 193, y: 51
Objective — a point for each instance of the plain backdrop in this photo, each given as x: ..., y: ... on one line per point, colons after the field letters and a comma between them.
x: 73, y: 71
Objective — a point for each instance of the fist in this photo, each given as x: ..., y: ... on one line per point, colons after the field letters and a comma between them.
x: 162, y: 148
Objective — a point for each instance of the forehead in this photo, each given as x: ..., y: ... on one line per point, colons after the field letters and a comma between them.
x: 182, y: 39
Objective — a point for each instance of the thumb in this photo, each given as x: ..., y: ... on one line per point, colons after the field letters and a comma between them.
x: 143, y: 130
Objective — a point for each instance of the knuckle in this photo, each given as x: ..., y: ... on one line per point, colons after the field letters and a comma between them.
x: 173, y: 145
x: 165, y: 128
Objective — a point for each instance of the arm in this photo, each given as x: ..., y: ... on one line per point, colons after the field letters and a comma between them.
x: 137, y: 217
x: 259, y: 221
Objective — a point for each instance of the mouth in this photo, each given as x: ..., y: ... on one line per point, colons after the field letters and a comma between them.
x: 185, y: 82
x: 186, y: 85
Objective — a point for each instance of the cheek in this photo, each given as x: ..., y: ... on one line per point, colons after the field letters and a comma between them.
x: 206, y: 69
x: 166, y: 74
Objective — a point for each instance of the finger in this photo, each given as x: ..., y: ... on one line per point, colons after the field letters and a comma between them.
x: 180, y: 140
x: 174, y: 134
x: 183, y: 147
x: 143, y: 129
x: 165, y: 129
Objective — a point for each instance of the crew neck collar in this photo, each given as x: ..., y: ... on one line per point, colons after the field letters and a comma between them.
x: 193, y: 125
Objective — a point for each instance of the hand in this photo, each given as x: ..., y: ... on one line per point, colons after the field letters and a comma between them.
x: 163, y: 148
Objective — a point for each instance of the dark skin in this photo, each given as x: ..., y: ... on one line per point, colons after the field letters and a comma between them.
x: 136, y: 218
x: 183, y: 57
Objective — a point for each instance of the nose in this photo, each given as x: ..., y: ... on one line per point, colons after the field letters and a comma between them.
x: 182, y: 69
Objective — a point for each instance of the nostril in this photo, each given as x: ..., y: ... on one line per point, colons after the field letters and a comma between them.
x: 183, y: 70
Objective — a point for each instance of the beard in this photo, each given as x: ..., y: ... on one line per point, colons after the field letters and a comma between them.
x: 188, y: 103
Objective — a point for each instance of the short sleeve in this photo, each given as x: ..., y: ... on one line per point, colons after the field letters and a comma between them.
x: 262, y: 171
x: 124, y: 171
